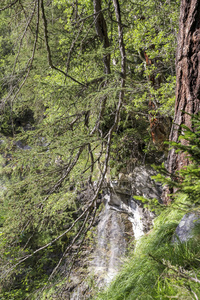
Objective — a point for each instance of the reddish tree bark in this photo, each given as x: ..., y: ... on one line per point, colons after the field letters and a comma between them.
x: 159, y: 125
x: 188, y: 80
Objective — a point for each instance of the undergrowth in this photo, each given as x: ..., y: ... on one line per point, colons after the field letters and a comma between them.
x: 159, y: 268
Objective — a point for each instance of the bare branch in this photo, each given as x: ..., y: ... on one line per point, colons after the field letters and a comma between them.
x: 9, y: 6
x: 26, y: 17
x: 92, y: 15
x: 74, y: 257
x: 28, y: 65
x: 195, y: 295
x: 49, y: 50
x: 72, y: 47
x: 69, y: 169
x: 71, y: 244
x: 121, y: 40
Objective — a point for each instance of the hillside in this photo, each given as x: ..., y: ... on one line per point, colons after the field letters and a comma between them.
x: 91, y: 193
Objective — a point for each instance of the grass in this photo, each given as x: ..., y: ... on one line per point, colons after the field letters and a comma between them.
x: 159, y: 269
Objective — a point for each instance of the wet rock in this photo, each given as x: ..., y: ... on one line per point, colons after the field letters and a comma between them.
x: 185, y: 229
x: 123, y: 220
x: 111, y: 246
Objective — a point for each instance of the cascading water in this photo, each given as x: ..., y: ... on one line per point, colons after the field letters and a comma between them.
x: 122, y: 220
x: 111, y: 246
x: 136, y: 220
x: 111, y: 243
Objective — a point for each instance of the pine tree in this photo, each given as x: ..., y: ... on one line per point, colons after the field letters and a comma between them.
x: 187, y: 87
x: 75, y: 101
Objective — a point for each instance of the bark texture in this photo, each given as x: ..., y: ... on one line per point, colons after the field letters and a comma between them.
x: 188, y: 79
x: 101, y: 29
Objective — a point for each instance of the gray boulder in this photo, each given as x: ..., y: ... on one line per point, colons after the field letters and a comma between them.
x: 185, y: 229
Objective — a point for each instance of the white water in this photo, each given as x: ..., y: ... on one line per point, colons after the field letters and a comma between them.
x: 120, y: 218
x: 136, y: 220
x: 111, y: 246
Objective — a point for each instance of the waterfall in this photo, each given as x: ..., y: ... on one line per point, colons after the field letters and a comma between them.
x: 111, y: 246
x: 122, y: 220
x: 136, y: 220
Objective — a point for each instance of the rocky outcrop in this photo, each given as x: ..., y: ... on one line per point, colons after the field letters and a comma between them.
x: 111, y: 245
x: 122, y: 220
x: 121, y: 197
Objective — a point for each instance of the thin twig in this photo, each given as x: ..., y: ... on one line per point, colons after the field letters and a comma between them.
x: 29, y: 64
x: 179, y: 270
x: 49, y: 50
x: 30, y: 61
x: 9, y: 6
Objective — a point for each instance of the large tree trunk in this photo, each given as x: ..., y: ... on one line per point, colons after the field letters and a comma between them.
x: 188, y: 79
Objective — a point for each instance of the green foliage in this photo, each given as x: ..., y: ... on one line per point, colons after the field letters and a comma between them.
x: 155, y: 269
x: 55, y: 122
x: 186, y: 180
x: 153, y: 31
x: 158, y: 268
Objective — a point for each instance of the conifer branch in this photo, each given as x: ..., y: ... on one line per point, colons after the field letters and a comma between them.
x: 70, y: 245
x: 90, y: 205
x: 30, y: 61
x: 92, y: 15
x: 74, y: 257
x: 60, y: 181
x: 50, y: 61
x: 102, y: 32
x: 73, y: 260
x: 72, y: 47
